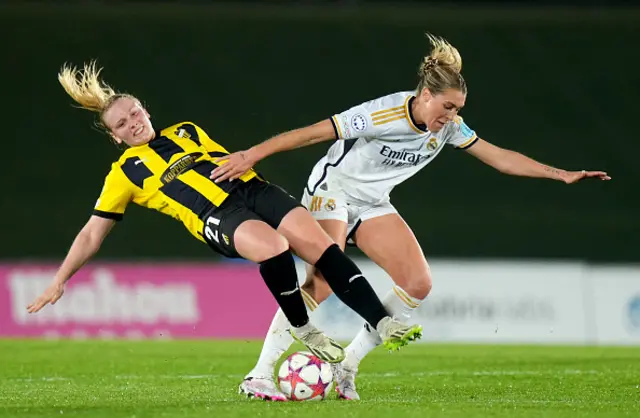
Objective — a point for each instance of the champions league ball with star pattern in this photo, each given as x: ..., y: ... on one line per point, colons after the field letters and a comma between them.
x: 304, y: 377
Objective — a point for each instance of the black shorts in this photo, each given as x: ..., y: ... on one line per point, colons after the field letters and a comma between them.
x: 255, y: 199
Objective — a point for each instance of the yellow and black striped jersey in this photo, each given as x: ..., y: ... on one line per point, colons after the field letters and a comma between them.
x: 169, y: 174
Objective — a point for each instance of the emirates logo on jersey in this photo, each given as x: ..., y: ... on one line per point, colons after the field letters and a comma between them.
x: 401, y: 158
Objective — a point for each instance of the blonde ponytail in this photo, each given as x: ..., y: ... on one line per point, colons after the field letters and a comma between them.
x: 440, y: 70
x: 86, y: 88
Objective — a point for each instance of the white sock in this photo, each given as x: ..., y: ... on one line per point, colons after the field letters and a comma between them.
x: 278, y: 340
x: 400, y: 305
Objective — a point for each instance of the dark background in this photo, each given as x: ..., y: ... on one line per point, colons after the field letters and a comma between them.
x: 556, y: 81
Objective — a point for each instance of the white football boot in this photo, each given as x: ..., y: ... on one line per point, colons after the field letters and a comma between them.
x: 320, y: 345
x: 345, y: 378
x: 261, y: 388
x: 395, y: 334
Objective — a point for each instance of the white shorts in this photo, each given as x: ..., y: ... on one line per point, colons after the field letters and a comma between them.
x: 326, y: 205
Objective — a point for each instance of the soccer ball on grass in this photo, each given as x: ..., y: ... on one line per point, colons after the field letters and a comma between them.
x: 304, y: 377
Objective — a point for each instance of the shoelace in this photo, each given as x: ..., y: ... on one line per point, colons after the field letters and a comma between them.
x: 309, y: 336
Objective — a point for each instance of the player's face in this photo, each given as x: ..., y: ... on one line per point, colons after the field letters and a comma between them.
x: 128, y: 122
x: 440, y: 109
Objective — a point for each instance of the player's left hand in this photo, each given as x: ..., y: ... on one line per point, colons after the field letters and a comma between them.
x: 233, y: 166
x: 575, y: 176
x: 50, y: 296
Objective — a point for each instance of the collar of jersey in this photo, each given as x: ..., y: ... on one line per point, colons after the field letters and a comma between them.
x: 158, y: 134
x: 421, y: 126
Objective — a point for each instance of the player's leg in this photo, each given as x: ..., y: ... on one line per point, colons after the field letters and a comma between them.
x: 314, y: 291
x: 333, y: 219
x: 312, y: 244
x: 259, y: 381
x: 332, y: 214
x: 390, y: 243
x: 235, y: 230
x: 256, y: 241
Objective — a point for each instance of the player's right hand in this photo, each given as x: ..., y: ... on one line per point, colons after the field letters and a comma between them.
x: 232, y: 166
x: 53, y: 293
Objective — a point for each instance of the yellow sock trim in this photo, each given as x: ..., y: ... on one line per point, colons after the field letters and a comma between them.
x: 312, y: 305
x: 405, y: 297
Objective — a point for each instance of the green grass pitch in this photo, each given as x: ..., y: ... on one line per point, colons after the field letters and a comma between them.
x: 200, y: 379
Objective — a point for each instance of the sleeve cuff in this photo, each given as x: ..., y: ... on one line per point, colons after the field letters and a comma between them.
x: 108, y: 215
x: 469, y: 143
x: 336, y: 129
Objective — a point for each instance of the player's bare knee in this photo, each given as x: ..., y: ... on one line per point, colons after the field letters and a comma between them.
x: 317, y: 241
x: 317, y: 247
x: 275, y: 246
x: 280, y: 245
x: 419, y: 286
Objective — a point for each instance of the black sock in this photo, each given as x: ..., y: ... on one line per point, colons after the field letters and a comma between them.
x: 281, y: 277
x: 349, y: 285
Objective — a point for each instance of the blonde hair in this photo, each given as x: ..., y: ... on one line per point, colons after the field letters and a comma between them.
x: 440, y: 70
x: 88, y: 90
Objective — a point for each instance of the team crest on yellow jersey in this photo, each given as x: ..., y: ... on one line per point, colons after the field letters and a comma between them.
x: 182, y: 133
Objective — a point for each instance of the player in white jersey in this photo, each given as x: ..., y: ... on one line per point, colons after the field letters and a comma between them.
x: 381, y: 143
x: 382, y: 147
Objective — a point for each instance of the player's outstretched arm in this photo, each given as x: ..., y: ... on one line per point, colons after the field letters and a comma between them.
x: 85, y: 245
x: 516, y: 164
x: 239, y: 162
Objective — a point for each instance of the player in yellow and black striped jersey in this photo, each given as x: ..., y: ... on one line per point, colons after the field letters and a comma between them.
x: 170, y: 174
x: 168, y: 171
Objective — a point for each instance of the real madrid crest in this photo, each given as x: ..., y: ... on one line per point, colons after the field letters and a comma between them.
x: 330, y: 205
x: 432, y: 144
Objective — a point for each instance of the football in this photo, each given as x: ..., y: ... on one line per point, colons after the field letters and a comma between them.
x: 304, y: 377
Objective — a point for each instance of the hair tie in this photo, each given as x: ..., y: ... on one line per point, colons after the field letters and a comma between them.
x: 430, y: 63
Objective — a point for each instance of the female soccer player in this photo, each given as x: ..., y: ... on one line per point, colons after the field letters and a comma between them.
x: 168, y: 170
x: 382, y: 143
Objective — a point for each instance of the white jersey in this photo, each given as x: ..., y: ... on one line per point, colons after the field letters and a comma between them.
x: 379, y: 147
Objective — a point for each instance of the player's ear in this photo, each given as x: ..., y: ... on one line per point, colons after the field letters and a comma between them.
x: 115, y: 138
